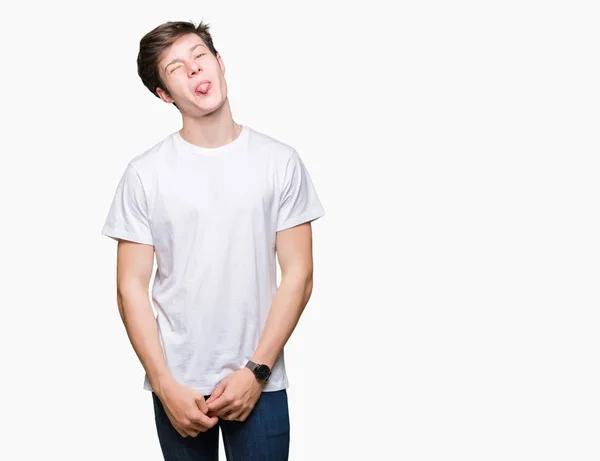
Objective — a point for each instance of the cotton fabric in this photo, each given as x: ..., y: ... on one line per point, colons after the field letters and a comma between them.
x: 212, y: 215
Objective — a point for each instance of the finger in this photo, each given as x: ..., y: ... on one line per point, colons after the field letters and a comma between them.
x: 235, y: 415
x: 205, y: 421
x: 192, y: 432
x: 175, y: 426
x: 212, y: 422
x: 179, y: 429
x: 243, y: 415
x: 201, y: 402
x: 226, y: 415
x: 218, y: 391
x: 228, y: 411
x: 194, y: 428
x: 219, y: 403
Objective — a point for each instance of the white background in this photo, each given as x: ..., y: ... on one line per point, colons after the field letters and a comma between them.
x: 454, y: 146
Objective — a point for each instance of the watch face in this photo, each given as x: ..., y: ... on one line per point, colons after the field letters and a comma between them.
x: 262, y: 372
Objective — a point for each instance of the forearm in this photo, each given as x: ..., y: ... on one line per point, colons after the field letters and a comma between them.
x: 136, y: 312
x: 287, y: 306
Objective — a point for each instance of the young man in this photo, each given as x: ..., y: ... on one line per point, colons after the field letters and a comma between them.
x: 215, y: 202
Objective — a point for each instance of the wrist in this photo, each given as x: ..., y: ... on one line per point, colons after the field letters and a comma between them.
x: 263, y: 358
x: 163, y: 384
x: 261, y: 371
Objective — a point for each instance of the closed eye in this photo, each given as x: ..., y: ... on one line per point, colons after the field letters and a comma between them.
x: 174, y: 69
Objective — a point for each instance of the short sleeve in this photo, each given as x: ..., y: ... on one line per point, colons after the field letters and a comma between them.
x: 299, y: 202
x: 128, y: 214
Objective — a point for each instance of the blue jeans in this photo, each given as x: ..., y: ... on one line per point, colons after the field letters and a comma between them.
x: 263, y: 436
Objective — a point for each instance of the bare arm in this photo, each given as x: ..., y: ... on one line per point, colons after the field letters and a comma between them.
x: 134, y: 269
x: 235, y: 396
x: 185, y: 407
x: 294, y: 251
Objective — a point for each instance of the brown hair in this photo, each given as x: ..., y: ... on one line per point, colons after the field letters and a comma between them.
x: 159, y: 39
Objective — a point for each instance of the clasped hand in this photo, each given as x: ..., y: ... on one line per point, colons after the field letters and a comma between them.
x: 235, y: 396
x: 232, y: 399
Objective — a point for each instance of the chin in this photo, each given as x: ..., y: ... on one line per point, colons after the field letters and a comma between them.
x: 207, y: 108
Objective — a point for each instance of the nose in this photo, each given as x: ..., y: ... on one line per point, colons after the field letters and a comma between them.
x: 193, y: 68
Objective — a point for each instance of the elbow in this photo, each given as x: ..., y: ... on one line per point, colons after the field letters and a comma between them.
x: 308, y: 287
x: 120, y: 305
x: 302, y: 279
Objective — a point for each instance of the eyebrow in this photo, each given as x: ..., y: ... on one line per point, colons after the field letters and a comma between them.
x: 180, y: 60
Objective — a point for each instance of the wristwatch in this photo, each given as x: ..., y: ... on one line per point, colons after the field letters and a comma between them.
x: 261, y: 372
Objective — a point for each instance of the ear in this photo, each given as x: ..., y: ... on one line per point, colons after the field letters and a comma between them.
x: 221, y: 63
x: 162, y: 94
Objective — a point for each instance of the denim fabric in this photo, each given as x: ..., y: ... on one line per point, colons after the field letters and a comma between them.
x: 263, y: 436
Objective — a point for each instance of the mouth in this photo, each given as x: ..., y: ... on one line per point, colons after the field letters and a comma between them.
x: 203, y: 87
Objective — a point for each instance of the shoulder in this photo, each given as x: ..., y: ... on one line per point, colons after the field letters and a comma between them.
x: 277, y: 150
x: 152, y: 158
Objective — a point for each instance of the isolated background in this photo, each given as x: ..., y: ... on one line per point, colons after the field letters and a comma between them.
x: 454, y: 146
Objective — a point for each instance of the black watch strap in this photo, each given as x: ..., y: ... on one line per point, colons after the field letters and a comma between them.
x: 261, y: 372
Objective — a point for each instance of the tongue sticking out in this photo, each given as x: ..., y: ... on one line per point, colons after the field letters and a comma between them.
x: 204, y: 87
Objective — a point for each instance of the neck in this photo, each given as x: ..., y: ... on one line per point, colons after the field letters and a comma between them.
x: 212, y: 130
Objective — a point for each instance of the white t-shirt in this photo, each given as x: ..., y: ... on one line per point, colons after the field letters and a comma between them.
x: 212, y: 215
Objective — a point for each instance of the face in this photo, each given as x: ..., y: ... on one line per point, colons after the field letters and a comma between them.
x: 194, y: 77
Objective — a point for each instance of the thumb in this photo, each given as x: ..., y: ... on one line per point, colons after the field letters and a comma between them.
x: 200, y: 402
x: 217, y: 392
